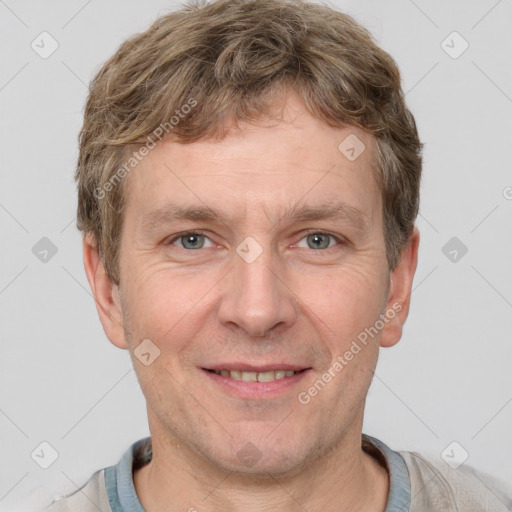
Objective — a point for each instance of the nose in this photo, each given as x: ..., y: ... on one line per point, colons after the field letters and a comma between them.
x: 255, y: 296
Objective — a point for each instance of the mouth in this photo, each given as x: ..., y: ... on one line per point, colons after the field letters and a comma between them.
x: 267, y: 376
x: 250, y: 382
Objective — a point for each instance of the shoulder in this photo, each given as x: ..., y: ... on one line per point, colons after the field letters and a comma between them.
x: 437, y: 486
x: 91, y: 497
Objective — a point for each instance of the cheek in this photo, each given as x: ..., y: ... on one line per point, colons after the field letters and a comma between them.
x: 346, y: 301
x: 169, y: 305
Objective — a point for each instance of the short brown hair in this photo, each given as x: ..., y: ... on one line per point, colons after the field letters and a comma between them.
x: 228, y: 59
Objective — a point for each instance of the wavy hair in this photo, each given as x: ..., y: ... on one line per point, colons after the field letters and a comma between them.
x: 232, y: 58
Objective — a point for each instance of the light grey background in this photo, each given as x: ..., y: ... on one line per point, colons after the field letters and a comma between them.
x: 449, y: 378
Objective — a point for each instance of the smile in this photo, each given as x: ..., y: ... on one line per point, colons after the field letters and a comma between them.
x: 250, y: 382
x: 255, y: 376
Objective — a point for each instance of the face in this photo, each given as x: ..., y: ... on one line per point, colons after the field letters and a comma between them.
x: 249, y: 267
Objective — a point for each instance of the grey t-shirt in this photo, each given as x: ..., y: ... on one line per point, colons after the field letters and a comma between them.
x: 416, y: 485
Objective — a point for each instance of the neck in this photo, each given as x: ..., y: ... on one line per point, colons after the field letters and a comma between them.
x: 346, y: 479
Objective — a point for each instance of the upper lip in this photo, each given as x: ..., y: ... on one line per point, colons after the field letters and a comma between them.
x: 244, y: 367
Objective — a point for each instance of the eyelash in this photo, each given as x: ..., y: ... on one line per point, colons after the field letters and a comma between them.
x: 306, y: 234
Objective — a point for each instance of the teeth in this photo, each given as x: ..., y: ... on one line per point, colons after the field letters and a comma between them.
x: 266, y: 376
x: 255, y: 376
x: 250, y: 376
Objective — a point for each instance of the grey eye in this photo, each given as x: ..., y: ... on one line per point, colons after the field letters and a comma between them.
x: 191, y: 241
x: 318, y: 240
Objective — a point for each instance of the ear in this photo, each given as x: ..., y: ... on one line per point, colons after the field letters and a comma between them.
x: 105, y: 292
x: 399, y: 295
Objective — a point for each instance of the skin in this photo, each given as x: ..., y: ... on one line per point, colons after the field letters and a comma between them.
x: 294, y: 304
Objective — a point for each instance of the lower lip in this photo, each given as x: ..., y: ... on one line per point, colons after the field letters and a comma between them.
x: 256, y: 390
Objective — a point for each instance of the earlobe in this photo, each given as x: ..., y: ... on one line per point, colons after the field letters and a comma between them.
x: 400, y: 288
x: 105, y: 292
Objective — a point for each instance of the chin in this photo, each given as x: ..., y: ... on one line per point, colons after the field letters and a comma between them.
x: 278, y: 459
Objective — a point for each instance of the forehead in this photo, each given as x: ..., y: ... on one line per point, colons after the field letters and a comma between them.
x: 268, y: 168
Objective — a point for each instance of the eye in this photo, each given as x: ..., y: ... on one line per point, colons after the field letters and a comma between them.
x: 315, y: 240
x: 320, y: 240
x: 191, y: 240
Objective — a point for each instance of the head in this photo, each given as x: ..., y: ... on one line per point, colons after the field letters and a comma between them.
x: 248, y: 184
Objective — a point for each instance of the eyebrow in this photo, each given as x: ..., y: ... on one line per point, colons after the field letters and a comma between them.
x: 329, y: 211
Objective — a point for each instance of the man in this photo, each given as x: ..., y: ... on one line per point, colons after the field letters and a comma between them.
x: 248, y: 184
